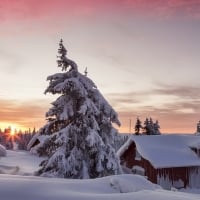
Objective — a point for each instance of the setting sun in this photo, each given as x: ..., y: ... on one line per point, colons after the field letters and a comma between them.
x: 12, y: 131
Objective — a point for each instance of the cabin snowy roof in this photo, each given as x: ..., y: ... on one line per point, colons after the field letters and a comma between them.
x: 36, y: 137
x: 164, y: 151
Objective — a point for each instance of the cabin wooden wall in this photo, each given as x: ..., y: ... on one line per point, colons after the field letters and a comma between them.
x: 175, y: 174
x: 128, y: 159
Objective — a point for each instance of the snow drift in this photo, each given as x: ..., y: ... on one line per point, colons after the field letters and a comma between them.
x: 108, y: 188
x: 116, y: 187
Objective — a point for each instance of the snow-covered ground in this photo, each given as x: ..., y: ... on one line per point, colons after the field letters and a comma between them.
x: 19, y: 163
x: 17, y: 182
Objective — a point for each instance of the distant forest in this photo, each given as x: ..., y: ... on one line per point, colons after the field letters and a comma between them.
x: 17, y: 139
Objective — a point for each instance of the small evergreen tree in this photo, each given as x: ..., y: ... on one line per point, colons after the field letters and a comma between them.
x: 156, y: 128
x: 138, y: 126
x: 151, y: 128
x: 146, y: 127
x: 79, y: 128
x: 198, y: 127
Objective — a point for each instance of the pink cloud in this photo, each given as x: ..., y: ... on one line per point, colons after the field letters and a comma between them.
x: 26, y: 114
x: 37, y: 9
x: 166, y: 8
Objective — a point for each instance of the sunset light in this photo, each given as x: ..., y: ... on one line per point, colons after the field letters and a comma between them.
x: 142, y: 55
x: 100, y: 99
x: 13, y: 127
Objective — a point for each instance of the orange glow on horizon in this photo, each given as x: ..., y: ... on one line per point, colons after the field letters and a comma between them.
x: 14, y: 127
x: 126, y: 130
x: 12, y: 133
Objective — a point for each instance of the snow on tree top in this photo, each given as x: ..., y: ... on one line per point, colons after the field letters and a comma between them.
x: 164, y: 151
x: 81, y: 86
x: 63, y: 61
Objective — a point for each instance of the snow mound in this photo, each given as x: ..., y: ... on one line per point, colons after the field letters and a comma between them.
x: 2, y: 151
x: 118, y: 187
x: 131, y: 183
x: 39, y: 188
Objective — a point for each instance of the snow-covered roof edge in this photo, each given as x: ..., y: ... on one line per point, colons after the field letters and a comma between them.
x: 124, y: 147
x: 163, y: 151
x: 32, y: 141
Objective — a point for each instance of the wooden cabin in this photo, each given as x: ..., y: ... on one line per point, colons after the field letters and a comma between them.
x: 35, y: 142
x: 167, y: 160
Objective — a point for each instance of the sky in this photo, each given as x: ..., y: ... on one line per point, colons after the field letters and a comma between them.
x: 143, y: 55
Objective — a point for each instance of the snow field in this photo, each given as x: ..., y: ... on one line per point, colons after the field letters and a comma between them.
x: 118, y: 187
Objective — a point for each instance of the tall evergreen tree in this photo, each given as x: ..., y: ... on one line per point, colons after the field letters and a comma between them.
x: 79, y: 128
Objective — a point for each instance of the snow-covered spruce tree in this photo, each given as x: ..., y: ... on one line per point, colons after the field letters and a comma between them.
x: 138, y: 126
x: 79, y: 126
x: 151, y: 128
x: 156, y: 127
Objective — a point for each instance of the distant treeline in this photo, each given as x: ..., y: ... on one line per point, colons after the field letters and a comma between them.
x: 17, y: 140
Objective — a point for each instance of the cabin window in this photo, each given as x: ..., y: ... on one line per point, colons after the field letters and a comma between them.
x: 137, y: 155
